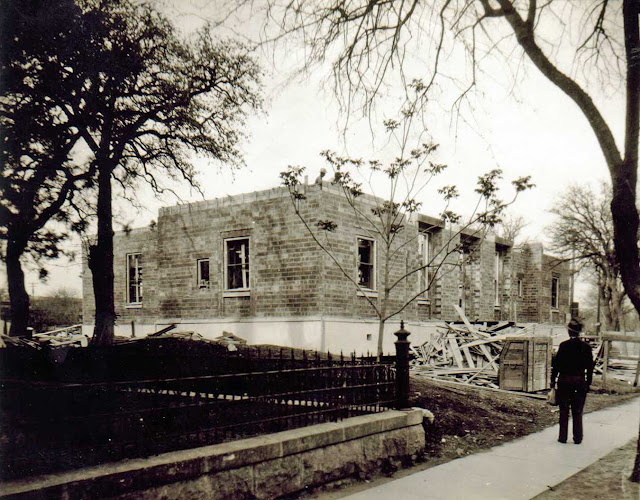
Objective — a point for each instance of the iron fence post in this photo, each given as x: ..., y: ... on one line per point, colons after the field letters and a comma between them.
x: 402, y: 367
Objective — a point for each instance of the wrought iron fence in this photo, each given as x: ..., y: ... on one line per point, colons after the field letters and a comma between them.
x: 63, y: 425
x: 52, y: 426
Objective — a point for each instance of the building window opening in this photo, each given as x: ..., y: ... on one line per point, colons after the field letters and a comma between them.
x: 203, y: 273
x: 134, y: 278
x: 237, y: 263
x: 497, y: 278
x: 520, y: 288
x: 424, y: 250
x: 366, y: 263
x: 555, y: 287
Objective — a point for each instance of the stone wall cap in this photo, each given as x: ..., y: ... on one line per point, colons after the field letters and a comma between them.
x: 184, y: 464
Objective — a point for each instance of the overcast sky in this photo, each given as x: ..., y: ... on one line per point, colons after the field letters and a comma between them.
x: 535, y: 130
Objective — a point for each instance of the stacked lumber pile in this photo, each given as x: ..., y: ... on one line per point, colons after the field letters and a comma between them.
x: 464, y: 352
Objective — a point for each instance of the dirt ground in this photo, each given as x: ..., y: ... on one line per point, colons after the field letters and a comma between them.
x: 607, y: 479
x: 470, y: 419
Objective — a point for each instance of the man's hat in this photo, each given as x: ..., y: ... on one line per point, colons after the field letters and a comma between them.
x: 574, y: 326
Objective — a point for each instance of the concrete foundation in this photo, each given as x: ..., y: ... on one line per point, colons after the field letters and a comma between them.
x: 333, y: 334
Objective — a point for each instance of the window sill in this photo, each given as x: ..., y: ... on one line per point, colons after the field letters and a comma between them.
x: 236, y: 293
x: 367, y: 293
x: 424, y: 302
x: 133, y: 306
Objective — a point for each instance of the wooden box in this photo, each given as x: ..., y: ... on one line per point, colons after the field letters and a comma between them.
x: 525, y: 363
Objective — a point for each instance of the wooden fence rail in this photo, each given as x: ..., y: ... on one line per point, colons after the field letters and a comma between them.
x: 607, y: 339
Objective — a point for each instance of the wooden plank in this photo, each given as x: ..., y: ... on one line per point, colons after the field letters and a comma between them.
x: 605, y: 363
x: 482, y: 369
x: 467, y: 355
x: 621, y: 338
x: 487, y: 354
x: 517, y: 393
x: 623, y: 358
x: 499, y: 326
x: 59, y: 330
x: 455, y: 350
x: 464, y: 319
x: 494, y: 338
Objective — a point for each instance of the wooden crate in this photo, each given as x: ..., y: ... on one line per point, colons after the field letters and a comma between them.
x: 525, y: 363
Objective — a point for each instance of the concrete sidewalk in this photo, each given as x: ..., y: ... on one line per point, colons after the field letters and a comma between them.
x: 519, y: 469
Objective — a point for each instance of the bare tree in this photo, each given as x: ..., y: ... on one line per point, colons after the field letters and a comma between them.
x: 583, y: 232
x: 386, y: 221
x: 511, y: 226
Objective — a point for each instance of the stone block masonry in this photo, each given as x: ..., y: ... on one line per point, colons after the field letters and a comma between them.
x: 261, y: 467
x: 288, y: 279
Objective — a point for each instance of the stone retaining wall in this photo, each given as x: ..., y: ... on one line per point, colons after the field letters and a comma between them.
x: 260, y: 467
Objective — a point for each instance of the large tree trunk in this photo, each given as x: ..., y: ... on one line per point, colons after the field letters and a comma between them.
x: 101, y: 264
x: 617, y: 309
x: 18, y: 296
x: 612, y: 302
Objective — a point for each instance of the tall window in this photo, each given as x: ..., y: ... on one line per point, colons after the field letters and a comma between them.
x: 366, y: 263
x: 520, y: 288
x: 555, y: 289
x: 203, y: 273
x: 424, y: 249
x: 237, y: 263
x: 134, y: 278
x: 496, y: 278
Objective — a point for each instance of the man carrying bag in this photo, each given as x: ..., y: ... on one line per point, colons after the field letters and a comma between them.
x: 572, y: 366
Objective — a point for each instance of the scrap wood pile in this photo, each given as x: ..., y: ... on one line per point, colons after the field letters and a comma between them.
x: 464, y: 352
x: 70, y: 336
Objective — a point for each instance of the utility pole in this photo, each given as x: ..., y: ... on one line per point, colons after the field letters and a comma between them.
x: 573, y: 273
x: 598, y: 309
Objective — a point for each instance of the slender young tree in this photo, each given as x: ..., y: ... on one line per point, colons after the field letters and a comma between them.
x: 387, y: 220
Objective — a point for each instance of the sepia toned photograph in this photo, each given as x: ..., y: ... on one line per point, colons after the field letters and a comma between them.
x: 319, y: 249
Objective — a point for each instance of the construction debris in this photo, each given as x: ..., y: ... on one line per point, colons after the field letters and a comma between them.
x: 464, y: 353
x: 230, y: 340
x: 70, y: 336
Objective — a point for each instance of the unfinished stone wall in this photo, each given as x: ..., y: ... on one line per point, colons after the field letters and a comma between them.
x: 291, y: 277
x: 340, y: 295
x: 537, y: 269
x: 141, y: 240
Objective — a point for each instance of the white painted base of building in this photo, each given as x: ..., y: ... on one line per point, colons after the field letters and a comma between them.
x: 332, y: 334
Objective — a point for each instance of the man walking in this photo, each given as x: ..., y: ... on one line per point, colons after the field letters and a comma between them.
x: 573, y: 368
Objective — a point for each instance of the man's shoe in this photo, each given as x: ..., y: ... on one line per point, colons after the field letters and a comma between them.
x: 577, y: 442
x: 562, y: 441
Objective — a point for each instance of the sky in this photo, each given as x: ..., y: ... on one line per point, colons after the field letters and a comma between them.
x: 532, y: 130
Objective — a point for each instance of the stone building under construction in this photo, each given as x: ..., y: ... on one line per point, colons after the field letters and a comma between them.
x: 246, y: 264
